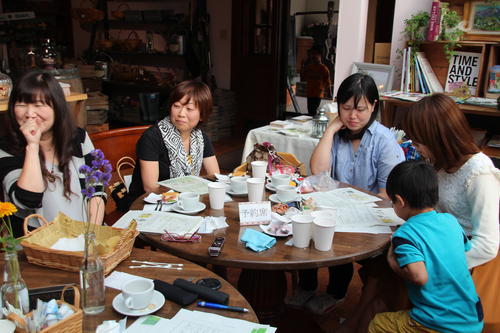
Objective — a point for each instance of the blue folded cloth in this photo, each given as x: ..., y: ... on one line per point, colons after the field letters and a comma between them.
x: 257, y: 241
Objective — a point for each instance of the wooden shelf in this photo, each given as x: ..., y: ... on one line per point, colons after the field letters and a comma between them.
x: 74, y: 97
x: 149, y: 59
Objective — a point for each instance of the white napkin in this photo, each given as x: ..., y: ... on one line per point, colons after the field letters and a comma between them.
x: 111, y: 326
x: 70, y: 244
x: 211, y: 223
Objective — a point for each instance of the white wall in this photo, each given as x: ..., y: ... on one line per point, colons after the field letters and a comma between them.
x: 403, y: 10
x: 350, y: 37
x: 220, y: 40
x: 298, y: 6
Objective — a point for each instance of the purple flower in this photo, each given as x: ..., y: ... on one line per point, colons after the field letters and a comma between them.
x: 98, y: 173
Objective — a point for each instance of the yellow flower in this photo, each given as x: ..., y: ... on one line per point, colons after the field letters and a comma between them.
x: 6, y: 209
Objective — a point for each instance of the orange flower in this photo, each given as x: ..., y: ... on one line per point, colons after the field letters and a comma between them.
x: 6, y: 209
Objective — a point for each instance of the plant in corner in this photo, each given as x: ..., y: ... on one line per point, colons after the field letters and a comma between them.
x: 450, y: 30
x: 415, y: 28
x: 97, y: 175
x: 13, y: 291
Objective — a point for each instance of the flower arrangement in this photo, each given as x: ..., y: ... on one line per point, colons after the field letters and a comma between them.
x: 97, y: 176
x: 7, y: 238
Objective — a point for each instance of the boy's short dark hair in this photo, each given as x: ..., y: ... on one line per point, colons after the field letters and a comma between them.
x: 416, y: 182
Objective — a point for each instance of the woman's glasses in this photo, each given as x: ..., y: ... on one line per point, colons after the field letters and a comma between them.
x: 188, y: 237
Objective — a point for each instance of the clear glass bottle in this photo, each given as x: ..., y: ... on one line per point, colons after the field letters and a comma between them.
x: 14, y: 290
x: 48, y: 54
x: 5, y: 86
x: 92, y: 278
x: 320, y: 122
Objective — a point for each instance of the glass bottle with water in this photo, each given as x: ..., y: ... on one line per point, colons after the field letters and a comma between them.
x: 14, y: 290
x: 92, y: 278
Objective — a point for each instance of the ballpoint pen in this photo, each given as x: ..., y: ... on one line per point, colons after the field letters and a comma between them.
x: 222, y: 307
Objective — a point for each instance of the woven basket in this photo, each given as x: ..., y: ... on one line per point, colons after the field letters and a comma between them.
x: 285, y: 158
x: 71, y: 324
x: 114, y: 244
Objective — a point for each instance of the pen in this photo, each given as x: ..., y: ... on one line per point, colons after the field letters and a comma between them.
x: 222, y: 307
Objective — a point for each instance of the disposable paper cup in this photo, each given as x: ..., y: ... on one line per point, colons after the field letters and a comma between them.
x: 323, y: 230
x: 137, y: 294
x: 259, y: 169
x: 216, y: 193
x: 302, y: 229
x: 255, y: 189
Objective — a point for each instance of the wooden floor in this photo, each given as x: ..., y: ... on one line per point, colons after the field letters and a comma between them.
x: 228, y: 152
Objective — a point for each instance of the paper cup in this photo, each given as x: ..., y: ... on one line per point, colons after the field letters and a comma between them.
x: 302, y: 229
x: 259, y: 169
x: 255, y: 189
x: 323, y: 230
x: 137, y: 294
x: 216, y: 193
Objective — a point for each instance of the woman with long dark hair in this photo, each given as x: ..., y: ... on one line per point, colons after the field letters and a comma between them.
x: 357, y: 150
x: 42, y: 152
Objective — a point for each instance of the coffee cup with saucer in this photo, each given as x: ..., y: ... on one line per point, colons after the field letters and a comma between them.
x: 238, y: 186
x: 138, y: 298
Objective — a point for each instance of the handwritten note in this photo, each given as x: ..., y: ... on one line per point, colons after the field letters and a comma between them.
x: 252, y: 213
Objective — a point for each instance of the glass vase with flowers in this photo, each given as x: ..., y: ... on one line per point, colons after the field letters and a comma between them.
x: 97, y: 175
x: 14, y: 293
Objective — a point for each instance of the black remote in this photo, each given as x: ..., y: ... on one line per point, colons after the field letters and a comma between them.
x: 216, y: 248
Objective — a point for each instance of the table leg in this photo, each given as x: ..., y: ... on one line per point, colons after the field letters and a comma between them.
x: 265, y: 291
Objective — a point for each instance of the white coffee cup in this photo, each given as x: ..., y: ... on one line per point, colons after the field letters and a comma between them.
x: 239, y: 184
x: 216, y: 194
x: 188, y: 200
x: 259, y: 169
x: 137, y: 294
x: 286, y: 193
x: 255, y: 189
x: 302, y: 229
x: 280, y: 179
x: 323, y: 231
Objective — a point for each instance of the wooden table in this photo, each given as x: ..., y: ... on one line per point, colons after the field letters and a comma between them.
x: 263, y: 281
x: 38, y: 276
x: 76, y: 104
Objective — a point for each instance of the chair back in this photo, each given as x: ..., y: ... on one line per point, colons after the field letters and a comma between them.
x: 119, y: 142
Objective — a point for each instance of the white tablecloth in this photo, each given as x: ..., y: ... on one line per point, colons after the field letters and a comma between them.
x: 301, y: 146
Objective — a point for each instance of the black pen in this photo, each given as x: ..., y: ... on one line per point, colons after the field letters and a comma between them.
x: 222, y: 307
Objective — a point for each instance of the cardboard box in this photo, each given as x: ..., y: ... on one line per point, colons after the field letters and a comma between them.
x: 382, y: 53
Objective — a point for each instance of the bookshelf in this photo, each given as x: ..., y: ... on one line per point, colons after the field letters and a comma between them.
x: 490, y: 55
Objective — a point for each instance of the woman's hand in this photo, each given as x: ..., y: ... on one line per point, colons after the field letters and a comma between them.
x: 336, y: 124
x: 31, y: 131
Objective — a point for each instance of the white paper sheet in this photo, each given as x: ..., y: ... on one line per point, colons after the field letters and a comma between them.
x: 377, y: 229
x: 187, y: 184
x: 158, y: 222
x: 387, y: 217
x: 117, y: 279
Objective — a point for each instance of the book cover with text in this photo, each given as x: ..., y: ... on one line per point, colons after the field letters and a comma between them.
x: 463, y: 71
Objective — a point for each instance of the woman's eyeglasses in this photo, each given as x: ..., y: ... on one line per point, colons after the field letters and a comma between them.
x: 188, y: 237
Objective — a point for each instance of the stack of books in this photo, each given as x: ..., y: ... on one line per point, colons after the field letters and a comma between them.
x: 417, y: 74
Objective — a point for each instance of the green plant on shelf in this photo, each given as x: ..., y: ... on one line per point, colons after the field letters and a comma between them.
x: 450, y: 30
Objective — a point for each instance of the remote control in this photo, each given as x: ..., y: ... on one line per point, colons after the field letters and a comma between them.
x: 216, y: 248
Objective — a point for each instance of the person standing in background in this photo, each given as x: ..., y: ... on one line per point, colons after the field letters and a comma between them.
x: 317, y: 76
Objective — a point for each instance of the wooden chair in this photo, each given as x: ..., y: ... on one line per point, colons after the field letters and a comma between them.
x: 115, y: 144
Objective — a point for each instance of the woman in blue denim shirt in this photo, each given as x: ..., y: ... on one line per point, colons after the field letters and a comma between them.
x: 359, y: 151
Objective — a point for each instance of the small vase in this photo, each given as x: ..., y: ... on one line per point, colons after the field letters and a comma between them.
x: 92, y: 278
x: 14, y: 290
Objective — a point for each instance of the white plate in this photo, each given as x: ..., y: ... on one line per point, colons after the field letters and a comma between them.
x: 201, y: 206
x: 242, y: 194
x: 156, y: 303
x: 153, y: 199
x: 265, y: 229
x: 274, y: 198
x: 271, y: 187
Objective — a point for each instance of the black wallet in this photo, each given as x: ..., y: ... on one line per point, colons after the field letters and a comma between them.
x: 203, y: 292
x: 175, y: 294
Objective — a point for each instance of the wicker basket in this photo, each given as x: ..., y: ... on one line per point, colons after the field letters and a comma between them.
x: 71, y: 324
x: 116, y: 244
x: 285, y: 158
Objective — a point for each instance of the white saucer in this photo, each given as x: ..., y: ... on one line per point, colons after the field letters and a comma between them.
x: 274, y: 198
x: 265, y: 229
x: 236, y: 194
x: 156, y: 303
x: 270, y: 187
x: 201, y: 206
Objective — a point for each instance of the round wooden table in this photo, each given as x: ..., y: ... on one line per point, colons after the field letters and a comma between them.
x: 38, y: 276
x: 263, y: 281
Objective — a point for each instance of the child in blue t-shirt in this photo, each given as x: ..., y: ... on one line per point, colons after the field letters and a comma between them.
x: 428, y: 251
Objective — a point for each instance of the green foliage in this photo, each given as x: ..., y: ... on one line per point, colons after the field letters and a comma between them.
x: 415, y: 28
x: 450, y: 31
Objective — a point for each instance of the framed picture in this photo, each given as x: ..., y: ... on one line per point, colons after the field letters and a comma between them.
x: 381, y: 74
x: 482, y: 20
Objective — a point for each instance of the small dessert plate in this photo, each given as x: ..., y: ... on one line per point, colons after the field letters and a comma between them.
x: 201, y: 206
x: 156, y: 303
x: 274, y: 198
x: 236, y: 194
x: 284, y: 231
x: 270, y: 187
